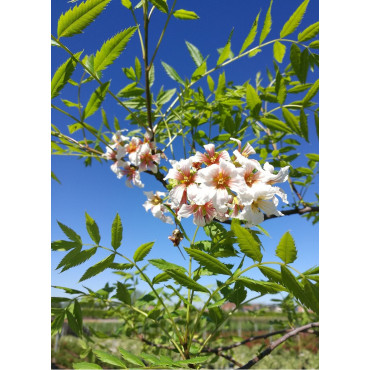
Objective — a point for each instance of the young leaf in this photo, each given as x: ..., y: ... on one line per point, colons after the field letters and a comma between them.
x: 286, y: 249
x: 225, y: 54
x: 71, y: 234
x: 303, y: 124
x: 131, y: 358
x: 116, y: 232
x: 209, y: 262
x: 314, y: 44
x: 165, y: 97
x: 160, y: 278
x: 126, y: 3
x: 211, y: 83
x: 279, y: 51
x: 271, y: 274
x: 164, y: 265
x: 92, y: 228
x: 312, y: 294
x: 112, y: 48
x: 194, y: 360
x: 75, y: 257
x: 252, y: 34
x: 185, y: 281
x: 295, y: 58
x: 97, y: 268
x: 109, y: 359
x: 291, y: 120
x: 142, y: 251
x: 238, y: 294
x: 77, y: 313
x: 294, y: 21
x: 311, y: 92
x: 53, y: 176
x: 263, y: 287
x: 172, y: 73
x: 266, y: 25
x: 75, y: 20
x: 123, y: 294
x: 96, y: 99
x: 160, y: 5
x: 85, y: 365
x: 62, y: 75
x: 72, y: 322
x: 275, y: 125
x: 185, y: 14
x: 309, y: 33
x: 195, y: 54
x: 292, y: 283
x: 105, y: 120
x: 253, y: 100
x: 56, y: 325
x: 247, y: 244
x: 137, y: 68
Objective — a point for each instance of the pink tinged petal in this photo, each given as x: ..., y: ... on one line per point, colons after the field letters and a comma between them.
x: 199, y: 218
x: 248, y: 150
x: 128, y: 183
x: 185, y: 211
x: 220, y: 200
x: 269, y: 208
x: 239, y: 143
x: 149, y: 194
x: 176, y: 193
x: 152, y: 167
x: 210, y: 149
x: 206, y: 175
x: 173, y: 174
x: 225, y: 155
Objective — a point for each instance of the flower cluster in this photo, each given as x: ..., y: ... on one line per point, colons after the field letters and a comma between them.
x: 214, y: 185
x: 138, y: 155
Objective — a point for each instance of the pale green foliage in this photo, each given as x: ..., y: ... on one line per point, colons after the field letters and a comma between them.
x: 252, y: 34
x: 143, y: 251
x: 185, y: 14
x: 286, y: 249
x: 266, y: 25
x: 294, y: 21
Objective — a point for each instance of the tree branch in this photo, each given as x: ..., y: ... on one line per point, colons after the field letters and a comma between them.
x: 276, y: 343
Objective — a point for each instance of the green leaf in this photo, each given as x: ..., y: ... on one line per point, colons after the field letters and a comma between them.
x: 72, y: 323
x: 238, y: 294
x: 160, y: 5
x: 314, y: 44
x: 309, y: 33
x: 279, y: 51
x: 185, y: 281
x: 312, y: 293
x: 151, y: 76
x: 303, y: 124
x: 195, y: 54
x: 300, y: 62
x: 92, y: 228
x: 123, y: 294
x: 165, y: 96
x: 252, y: 34
x: 185, y: 14
x: 71, y: 234
x: 69, y: 103
x: 266, y: 25
x: 312, y: 156
x: 53, y: 176
x: 263, y: 287
x: 77, y: 313
x: 109, y: 359
x: 56, y: 325
x: 96, y: 99
x: 75, y: 257
x: 271, y: 274
x: 131, y: 90
x: 317, y: 123
x: 254, y: 102
x: 247, y: 244
x: 225, y: 54
x: 75, y: 20
x: 121, y: 266
x: 160, y: 278
x: 286, y: 249
x: 137, y: 68
x: 211, y: 83
x: 165, y: 265
x: 294, y: 21
x: 194, y: 360
x: 299, y: 88
x: 142, y: 251
x: 116, y: 232
x: 209, y: 262
x: 126, y: 3
x: 311, y: 92
x: 112, y: 48
x: 172, y: 73
x: 291, y: 120
x: 131, y: 358
x: 85, y: 365
x: 276, y: 125
x: 105, y: 120
x: 97, y: 268
x: 292, y: 283
x: 62, y: 75
x: 68, y: 290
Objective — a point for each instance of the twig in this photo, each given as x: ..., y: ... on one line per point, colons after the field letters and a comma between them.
x: 279, y: 341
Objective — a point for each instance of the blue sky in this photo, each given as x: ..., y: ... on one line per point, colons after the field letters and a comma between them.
x: 97, y: 191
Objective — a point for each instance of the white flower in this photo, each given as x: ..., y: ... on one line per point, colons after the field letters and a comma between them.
x: 269, y: 177
x: 211, y: 156
x: 155, y: 205
x: 145, y: 159
x: 132, y: 174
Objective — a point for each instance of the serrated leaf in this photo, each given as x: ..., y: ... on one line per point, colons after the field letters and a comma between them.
x: 311, y: 92
x: 209, y: 262
x: 295, y: 58
x: 123, y: 294
x: 97, y: 268
x: 291, y: 120
x: 126, y: 3
x: 312, y: 295
x: 92, y: 228
x: 279, y: 51
x: 238, y: 295
x: 62, y: 75
x: 131, y: 358
x: 116, y: 232
x: 72, y: 323
x: 121, y: 266
x: 142, y: 251
x: 75, y: 20
x: 195, y: 54
x: 69, y: 103
x: 137, y: 68
x: 225, y: 54
x: 253, y: 100
x: 85, y: 365
x: 266, y: 25
x: 211, y: 83
x: 194, y: 360
x: 271, y: 274
x: 160, y: 278
x: 57, y: 323
x: 105, y: 120
x: 263, y: 287
x: 109, y: 359
x: 309, y: 33
x: 294, y: 21
x: 185, y: 14
x: 165, y: 97
x: 299, y: 88
x: 71, y: 234
x: 286, y: 249
x: 165, y: 265
x: 172, y: 73
x: 151, y: 76
x: 131, y: 90
x: 252, y: 34
x: 160, y: 5
x: 247, y: 244
x: 276, y: 125
x: 312, y: 156
x: 112, y: 48
x: 77, y: 313
x: 185, y: 281
x: 75, y: 257
x: 130, y: 73
x: 292, y: 283
x: 303, y: 124
x: 68, y: 290
x: 314, y: 44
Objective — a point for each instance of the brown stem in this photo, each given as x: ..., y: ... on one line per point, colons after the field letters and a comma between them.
x: 276, y: 343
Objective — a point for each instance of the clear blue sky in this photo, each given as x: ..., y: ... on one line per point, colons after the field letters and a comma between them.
x: 96, y: 189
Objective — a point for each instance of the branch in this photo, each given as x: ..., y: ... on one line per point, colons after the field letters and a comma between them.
x: 279, y: 341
